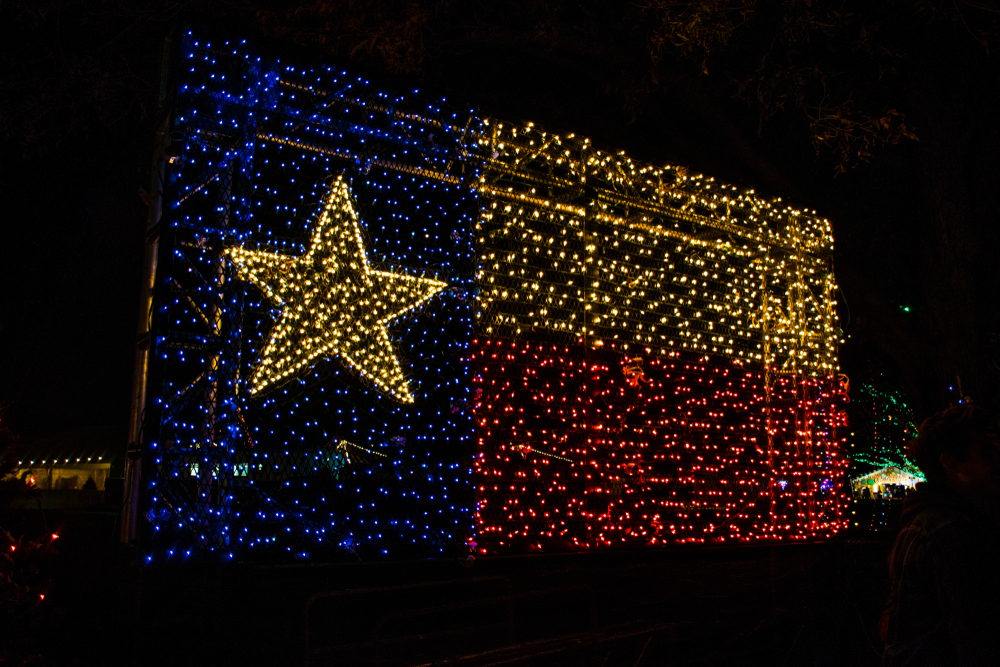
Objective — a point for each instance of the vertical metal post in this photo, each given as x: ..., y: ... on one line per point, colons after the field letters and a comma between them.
x: 133, y: 461
x: 212, y: 476
x: 765, y: 327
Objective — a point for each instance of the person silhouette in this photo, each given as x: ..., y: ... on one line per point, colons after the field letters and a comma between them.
x: 944, y: 604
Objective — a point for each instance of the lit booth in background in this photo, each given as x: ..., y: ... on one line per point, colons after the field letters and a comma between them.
x: 383, y: 326
x: 888, y: 481
x: 69, y: 469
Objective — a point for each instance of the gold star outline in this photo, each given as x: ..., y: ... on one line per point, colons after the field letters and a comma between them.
x: 332, y: 302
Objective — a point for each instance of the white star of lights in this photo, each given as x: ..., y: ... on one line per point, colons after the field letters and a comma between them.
x: 332, y: 302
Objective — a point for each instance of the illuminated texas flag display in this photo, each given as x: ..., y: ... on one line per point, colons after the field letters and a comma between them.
x: 393, y: 328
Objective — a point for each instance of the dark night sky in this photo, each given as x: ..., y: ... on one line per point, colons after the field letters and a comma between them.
x: 71, y: 266
x: 72, y: 161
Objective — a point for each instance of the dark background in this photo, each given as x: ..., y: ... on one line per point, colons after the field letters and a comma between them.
x: 879, y: 115
x: 815, y: 102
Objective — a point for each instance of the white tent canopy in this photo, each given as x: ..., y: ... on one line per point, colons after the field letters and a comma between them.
x: 890, y: 474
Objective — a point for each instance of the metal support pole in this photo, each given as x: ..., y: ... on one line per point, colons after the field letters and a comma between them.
x: 143, y: 343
